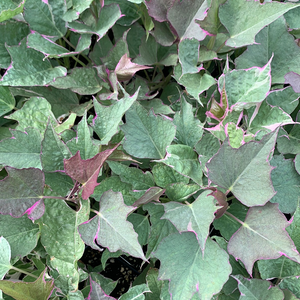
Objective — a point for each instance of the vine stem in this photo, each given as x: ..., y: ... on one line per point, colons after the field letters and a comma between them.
x: 235, y: 218
x: 24, y: 272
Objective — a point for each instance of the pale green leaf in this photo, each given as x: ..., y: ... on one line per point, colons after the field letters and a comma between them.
x: 250, y: 18
x: 136, y: 292
x: 5, y: 256
x: 9, y: 9
x: 188, y: 52
x: 245, y: 171
x: 193, y: 273
x: 78, y: 6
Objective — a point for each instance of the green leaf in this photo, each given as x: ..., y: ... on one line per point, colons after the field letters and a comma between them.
x: 285, y: 98
x: 193, y: 273
x: 286, y: 182
x: 252, y: 15
x: 12, y: 33
x: 7, y: 100
x: 97, y: 292
x: 195, y: 217
x: 108, y: 118
x: 141, y: 227
x: 159, y: 228
x: 146, y: 135
x: 108, y: 16
x: 289, y: 142
x: 195, y: 84
x: 180, y: 191
x: 189, y: 129
x: 246, y: 88
x: 245, y: 171
x: 22, y: 150
x: 37, y: 290
x: 21, y: 234
x: 29, y: 68
x: 22, y: 192
x: 136, y: 292
x: 188, y: 52
x: 165, y: 175
x: 61, y: 239
x: 54, y: 151
x: 83, y: 81
x: 78, y: 6
x: 155, y: 285
x: 270, y: 118
x: 134, y: 176
x: 292, y: 284
x: 185, y: 161
x: 10, y: 8
x: 5, y: 257
x: 110, y: 229
x: 262, y: 236
x: 257, y: 289
x: 83, y: 141
x: 45, y: 17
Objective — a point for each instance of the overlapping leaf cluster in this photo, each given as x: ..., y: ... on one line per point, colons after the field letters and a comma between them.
x: 163, y: 130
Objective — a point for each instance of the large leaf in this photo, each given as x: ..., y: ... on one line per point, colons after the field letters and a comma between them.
x: 21, y: 192
x: 109, y: 228
x: 262, y: 236
x: 86, y: 171
x: 245, y: 171
x: 29, y: 68
x: 96, y: 292
x: 108, y: 118
x: 5, y: 257
x: 252, y: 15
x: 195, y: 217
x: 199, y: 274
x: 246, y: 88
x: 285, y: 50
x: 147, y: 135
x: 37, y: 290
x: 61, y: 239
x: 22, y: 150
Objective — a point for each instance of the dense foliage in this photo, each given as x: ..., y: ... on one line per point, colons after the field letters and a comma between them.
x: 162, y: 130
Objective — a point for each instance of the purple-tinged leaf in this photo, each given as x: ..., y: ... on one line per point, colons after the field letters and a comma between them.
x: 104, y: 22
x: 151, y: 194
x: 86, y: 171
x: 96, y: 292
x: 22, y: 150
x: 163, y: 34
x: 184, y: 24
x: 253, y: 17
x: 193, y: 273
x: 257, y: 289
x: 262, y: 236
x: 293, y: 79
x: 11, y: 8
x: 158, y: 9
x: 37, y: 290
x: 45, y: 17
x: 245, y: 171
x: 246, y: 88
x: 29, y: 68
x: 5, y: 256
x: 22, y: 192
x: 286, y: 52
x: 125, y: 69
x: 147, y: 135
x: 195, y: 217
x: 110, y: 229
x: 211, y: 23
x: 222, y: 202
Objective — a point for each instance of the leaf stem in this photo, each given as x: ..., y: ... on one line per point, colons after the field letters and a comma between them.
x: 24, y: 272
x: 234, y: 217
x: 53, y: 197
x: 79, y: 61
x: 94, y: 211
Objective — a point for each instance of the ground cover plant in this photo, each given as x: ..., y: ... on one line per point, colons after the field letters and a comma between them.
x: 161, y: 130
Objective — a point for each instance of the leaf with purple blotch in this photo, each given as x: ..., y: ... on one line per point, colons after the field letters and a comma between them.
x: 253, y: 15
x: 245, y: 171
x: 262, y: 236
x: 29, y: 68
x: 22, y: 192
x: 158, y: 9
x: 193, y: 273
x: 195, y: 217
x: 86, y: 171
x: 110, y: 229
